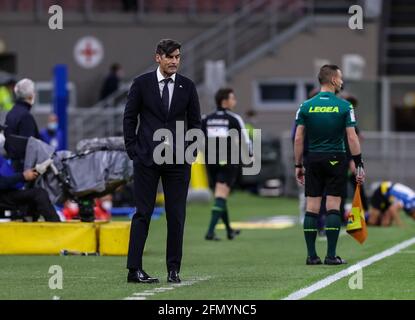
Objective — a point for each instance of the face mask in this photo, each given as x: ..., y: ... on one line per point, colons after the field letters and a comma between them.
x: 2, y: 140
x: 53, y: 126
x: 107, y: 205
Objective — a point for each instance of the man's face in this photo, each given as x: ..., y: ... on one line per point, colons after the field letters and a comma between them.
x: 337, y: 81
x: 32, y: 99
x: 231, y: 102
x: 52, y: 118
x: 169, y: 63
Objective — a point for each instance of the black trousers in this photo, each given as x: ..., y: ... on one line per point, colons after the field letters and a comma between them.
x: 34, y: 201
x: 175, y: 179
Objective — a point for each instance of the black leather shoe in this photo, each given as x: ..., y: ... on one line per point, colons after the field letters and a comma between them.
x: 312, y: 261
x: 212, y: 237
x: 173, y: 277
x: 334, y: 261
x: 233, y: 233
x: 140, y: 276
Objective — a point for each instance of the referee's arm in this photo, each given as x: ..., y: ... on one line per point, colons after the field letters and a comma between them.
x: 354, y: 146
x: 299, y: 144
x: 298, y: 153
x: 353, y: 140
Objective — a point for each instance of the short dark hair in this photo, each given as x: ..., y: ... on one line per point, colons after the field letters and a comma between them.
x: 222, y: 94
x: 326, y: 73
x: 167, y: 46
x: 115, y: 67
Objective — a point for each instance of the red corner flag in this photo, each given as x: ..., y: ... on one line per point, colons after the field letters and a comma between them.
x: 356, y: 224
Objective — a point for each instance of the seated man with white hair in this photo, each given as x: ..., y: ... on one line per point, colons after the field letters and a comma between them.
x: 20, y: 122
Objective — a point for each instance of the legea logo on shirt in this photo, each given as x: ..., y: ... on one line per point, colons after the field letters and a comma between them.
x: 328, y: 109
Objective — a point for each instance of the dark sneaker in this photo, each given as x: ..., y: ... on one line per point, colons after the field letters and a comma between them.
x: 311, y: 261
x: 233, y: 233
x: 212, y: 237
x: 334, y: 261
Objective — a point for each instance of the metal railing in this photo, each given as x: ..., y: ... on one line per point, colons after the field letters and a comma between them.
x: 386, y: 157
x: 233, y: 38
x: 238, y: 34
x: 92, y: 123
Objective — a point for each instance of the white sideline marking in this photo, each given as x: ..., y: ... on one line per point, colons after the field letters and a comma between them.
x: 302, y: 293
x: 135, y: 298
x: 143, y: 295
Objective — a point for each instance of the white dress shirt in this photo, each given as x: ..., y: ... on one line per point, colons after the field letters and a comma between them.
x: 160, y: 79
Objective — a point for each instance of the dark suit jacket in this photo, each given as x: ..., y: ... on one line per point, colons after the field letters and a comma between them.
x: 20, y: 122
x: 144, y: 100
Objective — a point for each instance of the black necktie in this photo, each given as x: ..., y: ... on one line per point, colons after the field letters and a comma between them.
x: 165, y: 95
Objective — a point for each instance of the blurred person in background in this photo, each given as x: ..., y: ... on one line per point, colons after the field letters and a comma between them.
x: 112, y: 81
x: 251, y: 122
x: 222, y: 173
x: 387, y: 201
x: 103, y: 208
x: 51, y: 134
x: 6, y: 98
x: 6, y: 95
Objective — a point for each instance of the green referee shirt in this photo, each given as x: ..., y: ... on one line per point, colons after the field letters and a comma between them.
x: 325, y: 117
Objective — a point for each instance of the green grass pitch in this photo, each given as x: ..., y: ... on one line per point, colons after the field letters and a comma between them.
x: 259, y: 264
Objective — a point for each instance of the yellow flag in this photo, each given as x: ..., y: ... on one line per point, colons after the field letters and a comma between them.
x: 356, y: 224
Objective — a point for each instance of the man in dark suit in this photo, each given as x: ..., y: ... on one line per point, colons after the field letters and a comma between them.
x: 161, y: 99
x: 20, y: 122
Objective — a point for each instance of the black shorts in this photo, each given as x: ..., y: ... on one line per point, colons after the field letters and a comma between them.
x: 379, y: 201
x: 326, y: 174
x: 224, y: 174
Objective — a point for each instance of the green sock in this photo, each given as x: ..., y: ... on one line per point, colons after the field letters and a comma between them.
x: 225, y: 216
x: 333, y: 225
x: 217, y: 210
x: 310, y: 232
